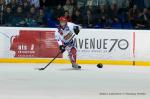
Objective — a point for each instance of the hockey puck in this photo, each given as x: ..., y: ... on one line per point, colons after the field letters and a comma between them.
x: 100, y: 65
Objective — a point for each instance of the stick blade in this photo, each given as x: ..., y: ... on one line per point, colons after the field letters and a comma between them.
x: 39, y: 69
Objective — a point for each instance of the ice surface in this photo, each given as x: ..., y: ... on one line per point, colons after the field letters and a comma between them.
x: 22, y: 81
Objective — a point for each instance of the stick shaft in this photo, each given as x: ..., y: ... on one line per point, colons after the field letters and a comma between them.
x: 56, y: 55
x: 52, y: 60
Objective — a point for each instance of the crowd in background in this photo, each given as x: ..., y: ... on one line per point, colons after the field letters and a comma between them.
x: 118, y: 14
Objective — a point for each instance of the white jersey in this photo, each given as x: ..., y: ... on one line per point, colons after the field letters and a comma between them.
x: 63, y: 35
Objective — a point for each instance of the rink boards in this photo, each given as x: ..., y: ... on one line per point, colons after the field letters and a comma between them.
x: 38, y: 45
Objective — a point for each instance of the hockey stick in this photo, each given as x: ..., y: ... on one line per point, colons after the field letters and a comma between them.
x: 54, y: 57
x: 50, y: 62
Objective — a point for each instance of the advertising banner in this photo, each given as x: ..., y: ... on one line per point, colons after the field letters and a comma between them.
x: 28, y: 43
x: 104, y: 44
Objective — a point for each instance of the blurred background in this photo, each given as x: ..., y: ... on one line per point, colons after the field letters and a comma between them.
x: 107, y: 14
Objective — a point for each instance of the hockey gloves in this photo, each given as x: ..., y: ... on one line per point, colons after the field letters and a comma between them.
x: 62, y: 48
x: 76, y: 30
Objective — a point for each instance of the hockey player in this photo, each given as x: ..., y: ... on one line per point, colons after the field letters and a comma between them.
x: 64, y: 36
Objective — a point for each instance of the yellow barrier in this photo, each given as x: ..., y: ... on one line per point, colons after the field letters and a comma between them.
x: 65, y: 61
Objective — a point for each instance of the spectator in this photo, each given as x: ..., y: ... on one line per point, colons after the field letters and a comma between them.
x: 59, y: 11
x: 143, y: 20
x: 102, y: 16
x: 125, y: 4
x: 68, y: 17
x: 2, y: 5
x: 133, y: 15
x: 84, y: 9
x: 1, y: 12
x: 92, y: 2
x: 68, y: 7
x: 26, y: 7
x: 81, y: 3
x: 89, y: 19
x: 41, y: 20
x: 7, y: 1
x: 19, y: 18
x: 73, y: 2
x: 77, y: 18
x: 147, y: 3
x: 131, y: 3
x: 101, y: 2
x: 32, y: 13
x: 19, y: 12
x: 43, y: 4
x: 8, y: 16
x: 133, y: 12
x: 146, y: 14
x: 149, y: 18
x: 91, y: 8
x: 149, y: 12
x: 35, y: 3
x: 13, y: 4
x: 2, y: 21
x: 113, y: 13
x: 32, y: 17
x: 75, y: 6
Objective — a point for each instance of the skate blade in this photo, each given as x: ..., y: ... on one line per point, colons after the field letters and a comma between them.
x: 77, y: 68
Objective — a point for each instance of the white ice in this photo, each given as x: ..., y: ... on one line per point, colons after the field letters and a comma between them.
x: 22, y: 81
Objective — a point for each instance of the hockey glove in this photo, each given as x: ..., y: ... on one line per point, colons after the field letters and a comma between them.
x: 62, y: 48
x: 76, y: 30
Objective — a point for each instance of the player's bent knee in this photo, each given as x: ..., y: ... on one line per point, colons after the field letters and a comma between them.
x: 73, y: 50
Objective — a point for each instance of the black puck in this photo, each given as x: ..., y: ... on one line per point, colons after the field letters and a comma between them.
x: 100, y: 65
